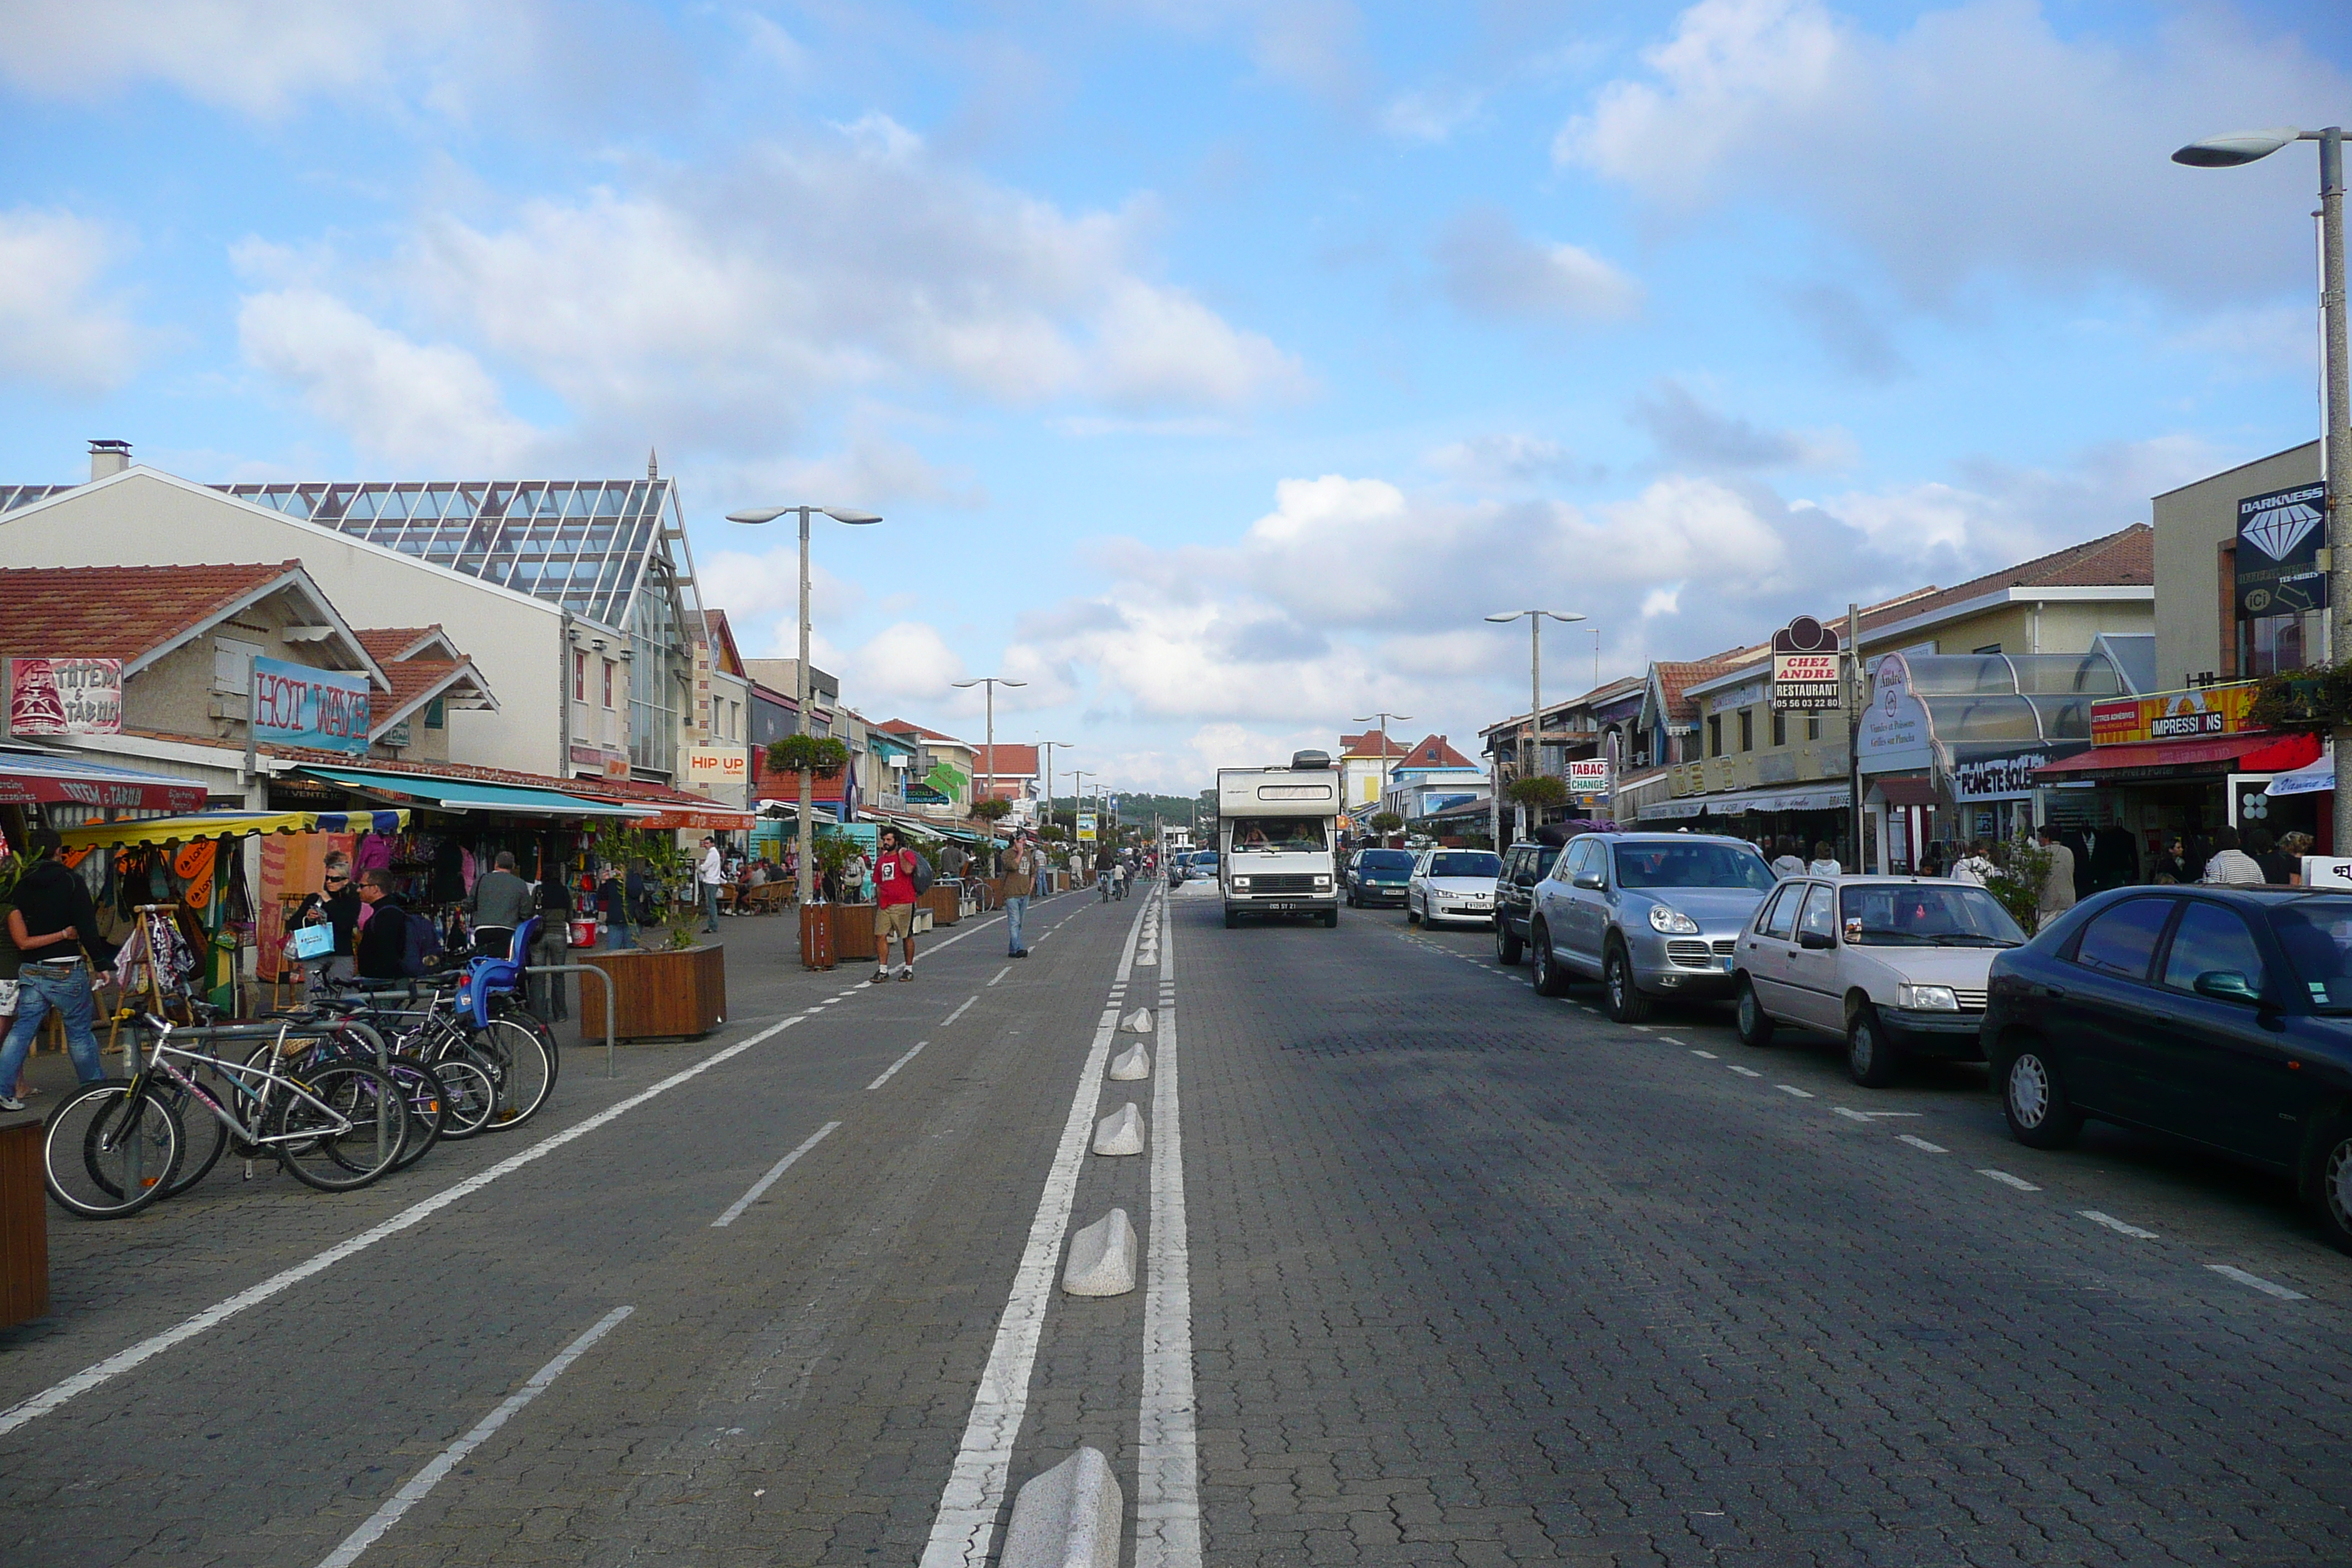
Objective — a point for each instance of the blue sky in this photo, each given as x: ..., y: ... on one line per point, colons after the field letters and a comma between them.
x: 1217, y: 364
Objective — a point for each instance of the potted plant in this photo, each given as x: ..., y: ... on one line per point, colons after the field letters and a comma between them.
x: 673, y: 986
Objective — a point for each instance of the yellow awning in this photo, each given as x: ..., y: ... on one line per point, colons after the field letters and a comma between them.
x: 229, y: 825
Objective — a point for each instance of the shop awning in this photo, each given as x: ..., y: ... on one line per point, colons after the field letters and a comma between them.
x: 1740, y: 803
x: 1911, y: 790
x: 707, y: 818
x: 40, y: 778
x: 2313, y: 778
x: 468, y: 795
x: 2135, y: 755
x: 228, y: 824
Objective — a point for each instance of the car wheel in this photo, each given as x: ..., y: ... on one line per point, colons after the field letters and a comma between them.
x: 2330, y: 1184
x: 1550, y: 981
x: 1871, y: 1060
x: 1627, y: 1002
x: 1231, y: 920
x: 1330, y: 920
x: 1506, y: 942
x: 2033, y: 1099
x: 1755, y: 1023
x: 1411, y: 918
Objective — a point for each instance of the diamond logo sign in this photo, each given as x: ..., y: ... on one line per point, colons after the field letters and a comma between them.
x: 2275, y: 530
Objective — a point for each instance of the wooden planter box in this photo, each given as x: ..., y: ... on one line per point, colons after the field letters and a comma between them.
x: 658, y: 995
x: 816, y: 936
x: 853, y: 931
x: 24, y: 1226
x: 946, y: 905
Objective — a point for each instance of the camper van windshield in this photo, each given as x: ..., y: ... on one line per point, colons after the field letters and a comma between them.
x: 1291, y: 834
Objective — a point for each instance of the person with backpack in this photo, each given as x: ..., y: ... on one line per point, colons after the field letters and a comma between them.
x: 396, y: 943
x: 899, y: 877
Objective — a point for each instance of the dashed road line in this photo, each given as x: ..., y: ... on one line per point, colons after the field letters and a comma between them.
x: 1708, y: 1055
x: 735, y: 1209
x: 1921, y: 1144
x: 894, y: 1067
x: 1743, y: 1072
x: 999, y: 976
x: 2120, y: 1227
x: 1792, y: 1088
x: 960, y: 1012
x: 2267, y: 1287
x: 2006, y: 1180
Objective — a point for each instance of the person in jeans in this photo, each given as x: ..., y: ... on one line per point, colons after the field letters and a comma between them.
x: 709, y: 875
x: 1019, y: 877
x: 501, y: 900
x: 549, y: 993
x: 894, y: 906
x: 55, y: 931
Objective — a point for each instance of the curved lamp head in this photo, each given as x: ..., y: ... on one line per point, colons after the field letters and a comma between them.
x: 850, y: 515
x: 1555, y: 615
x: 2237, y: 147
x: 770, y: 514
x: 982, y: 679
x: 1393, y: 718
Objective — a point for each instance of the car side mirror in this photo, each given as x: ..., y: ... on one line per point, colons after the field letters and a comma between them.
x: 1590, y: 881
x: 1816, y: 941
x: 2226, y: 985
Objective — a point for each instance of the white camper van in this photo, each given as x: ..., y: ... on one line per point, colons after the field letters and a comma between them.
x: 1274, y: 840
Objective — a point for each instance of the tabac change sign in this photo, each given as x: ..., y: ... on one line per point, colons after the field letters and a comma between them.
x: 64, y: 696
x: 326, y: 708
x: 2279, y: 536
x: 1588, y: 779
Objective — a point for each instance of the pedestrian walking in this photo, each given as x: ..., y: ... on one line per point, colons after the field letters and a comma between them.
x: 2230, y: 866
x: 501, y: 900
x: 613, y: 904
x: 894, y: 905
x: 1788, y: 862
x: 54, y: 931
x: 382, y: 952
x: 550, y: 994
x: 2057, y: 894
x: 709, y: 876
x: 1976, y: 867
x: 1824, y: 863
x: 2278, y: 866
x: 1019, y: 877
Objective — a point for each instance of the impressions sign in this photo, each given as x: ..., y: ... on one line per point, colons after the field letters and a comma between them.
x: 299, y: 706
x: 2197, y: 714
x: 2277, y: 561
x: 64, y: 696
x: 1806, y: 668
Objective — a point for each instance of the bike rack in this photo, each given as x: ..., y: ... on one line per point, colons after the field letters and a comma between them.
x: 610, y: 997
x: 133, y: 1162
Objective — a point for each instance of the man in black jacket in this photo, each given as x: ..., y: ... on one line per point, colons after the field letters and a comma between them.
x: 383, y: 940
x: 56, y: 929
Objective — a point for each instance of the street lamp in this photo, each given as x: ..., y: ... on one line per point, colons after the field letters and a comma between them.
x: 1380, y: 794
x: 801, y: 669
x: 992, y: 682
x: 2245, y: 147
x: 1048, y: 748
x: 1535, y: 620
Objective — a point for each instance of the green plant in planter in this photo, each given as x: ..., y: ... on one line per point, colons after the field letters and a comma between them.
x: 2314, y: 701
x: 2017, y: 885
x: 991, y: 810
x: 1386, y: 822
x: 1537, y: 790
x: 808, y: 754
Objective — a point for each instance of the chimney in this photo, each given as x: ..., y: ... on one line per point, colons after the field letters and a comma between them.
x: 108, y: 458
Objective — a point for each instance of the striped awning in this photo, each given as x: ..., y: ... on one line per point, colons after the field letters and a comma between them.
x: 228, y: 824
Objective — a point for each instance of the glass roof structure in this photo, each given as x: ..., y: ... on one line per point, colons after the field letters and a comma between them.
x: 584, y: 544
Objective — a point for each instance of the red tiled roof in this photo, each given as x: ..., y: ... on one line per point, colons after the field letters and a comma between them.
x: 2125, y: 558
x: 1009, y: 761
x: 119, y: 612
x: 1435, y: 752
x: 593, y: 789
x: 903, y: 727
x: 1677, y: 678
x: 1368, y: 744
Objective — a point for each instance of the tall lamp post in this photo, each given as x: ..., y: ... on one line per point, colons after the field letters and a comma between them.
x: 1535, y: 620
x: 992, y: 682
x: 1383, y: 716
x: 2246, y: 147
x: 1047, y: 746
x: 801, y: 669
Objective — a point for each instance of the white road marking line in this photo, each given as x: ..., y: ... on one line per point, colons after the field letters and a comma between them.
x: 735, y: 1209
x: 894, y: 1067
x: 2006, y: 1180
x: 1792, y: 1088
x: 1921, y: 1144
x: 960, y: 1012
x: 1867, y: 1116
x: 1000, y: 974
x: 2267, y: 1287
x: 1167, y: 1464
x: 2119, y: 1227
x: 1640, y: 1028
x: 1708, y: 1055
x: 432, y: 1475
x: 212, y: 1317
x: 1743, y: 1072
x: 965, y: 1526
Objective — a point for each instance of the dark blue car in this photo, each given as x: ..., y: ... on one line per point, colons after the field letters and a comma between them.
x: 2219, y: 1016
x: 1377, y: 877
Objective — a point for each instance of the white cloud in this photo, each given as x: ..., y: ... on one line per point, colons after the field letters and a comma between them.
x: 1504, y: 458
x: 1690, y: 435
x: 1431, y: 116
x: 54, y: 331
x: 1487, y: 267
x: 906, y: 662
x: 1979, y: 138
x: 1666, y: 599
x: 1313, y: 45
x: 403, y: 402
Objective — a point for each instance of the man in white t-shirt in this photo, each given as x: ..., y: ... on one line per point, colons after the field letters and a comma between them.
x: 707, y: 877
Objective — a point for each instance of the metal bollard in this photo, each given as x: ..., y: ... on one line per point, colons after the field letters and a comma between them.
x: 611, y: 998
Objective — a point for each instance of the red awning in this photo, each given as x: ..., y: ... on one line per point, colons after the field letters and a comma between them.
x: 2136, y: 754
x: 711, y: 819
x: 1914, y: 791
x: 40, y: 779
x: 2282, y: 755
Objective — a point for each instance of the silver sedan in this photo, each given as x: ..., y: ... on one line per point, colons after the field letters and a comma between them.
x: 1452, y: 885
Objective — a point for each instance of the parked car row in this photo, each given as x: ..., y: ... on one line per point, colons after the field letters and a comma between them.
x: 2219, y: 1016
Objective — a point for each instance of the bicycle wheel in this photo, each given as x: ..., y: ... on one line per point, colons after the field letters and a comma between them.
x: 427, y: 1098
x: 469, y: 1095
x: 204, y: 1138
x: 344, y: 1130
x: 513, y: 1007
x: 100, y: 1165
x: 519, y: 1060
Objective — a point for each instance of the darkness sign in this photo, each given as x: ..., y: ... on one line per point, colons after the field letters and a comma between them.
x: 2279, y: 536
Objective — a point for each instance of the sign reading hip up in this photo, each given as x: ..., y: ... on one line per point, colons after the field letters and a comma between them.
x: 326, y: 708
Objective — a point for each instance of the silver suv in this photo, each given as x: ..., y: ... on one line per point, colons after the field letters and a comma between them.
x: 1646, y: 914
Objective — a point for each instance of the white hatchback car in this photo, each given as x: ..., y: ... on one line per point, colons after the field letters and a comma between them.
x: 1896, y: 965
x: 1452, y: 885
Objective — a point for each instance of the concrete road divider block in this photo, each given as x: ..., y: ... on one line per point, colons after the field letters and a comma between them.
x: 1102, y: 1258
x: 1137, y: 1022
x: 1130, y: 1063
x: 1121, y: 1132
x: 1067, y: 1518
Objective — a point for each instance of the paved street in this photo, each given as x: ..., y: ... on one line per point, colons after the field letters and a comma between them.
x: 1466, y: 1276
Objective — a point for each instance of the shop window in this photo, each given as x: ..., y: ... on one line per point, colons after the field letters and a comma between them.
x: 233, y: 664
x: 1715, y: 734
x: 608, y: 683
x: 1988, y: 648
x: 1780, y: 729
x: 2269, y: 643
x: 1812, y: 726
x: 579, y: 677
x: 1746, y: 728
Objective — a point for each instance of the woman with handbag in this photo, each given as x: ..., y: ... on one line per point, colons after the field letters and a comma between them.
x: 335, y: 910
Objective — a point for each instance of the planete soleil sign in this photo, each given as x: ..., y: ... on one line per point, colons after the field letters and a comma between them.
x: 325, y: 709
x: 1085, y: 827
x: 64, y: 696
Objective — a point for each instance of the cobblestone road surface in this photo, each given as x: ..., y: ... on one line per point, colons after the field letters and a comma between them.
x: 1467, y: 1276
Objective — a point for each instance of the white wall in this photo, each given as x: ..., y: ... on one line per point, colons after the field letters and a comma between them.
x: 143, y: 518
